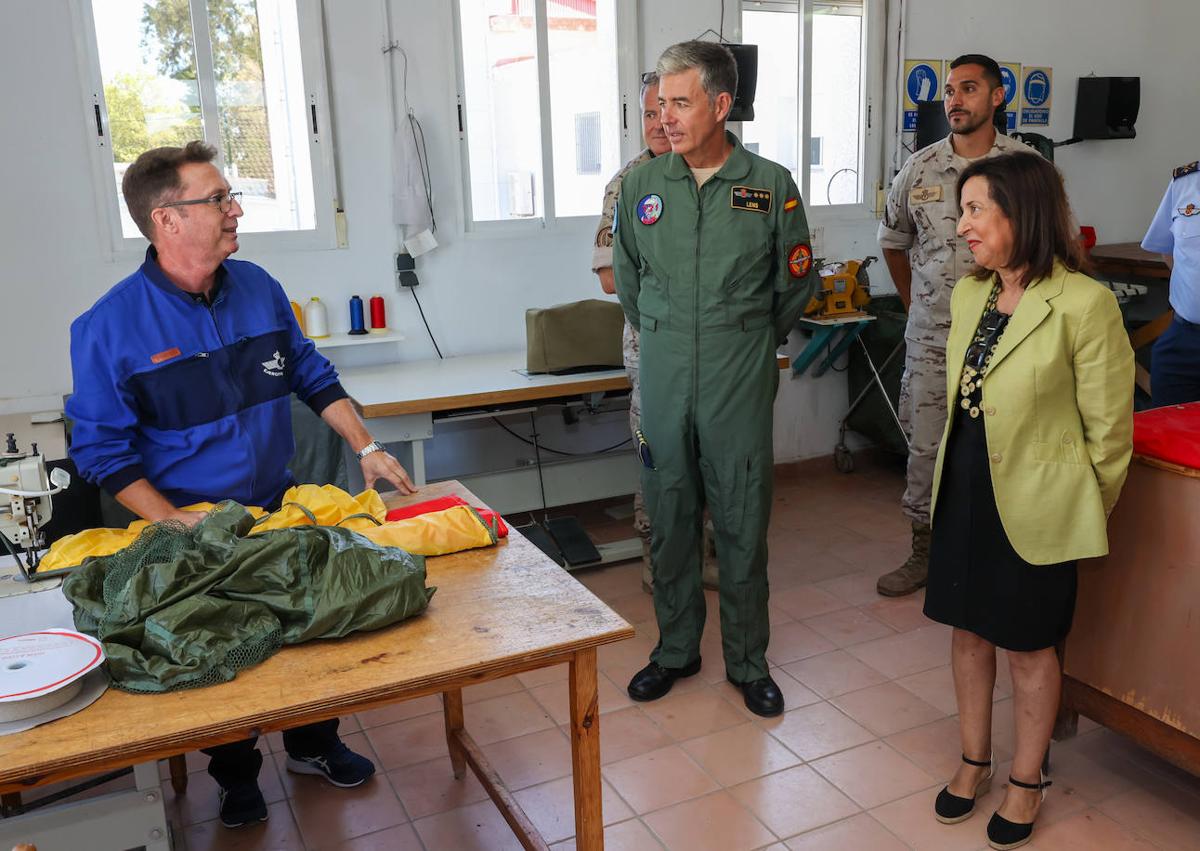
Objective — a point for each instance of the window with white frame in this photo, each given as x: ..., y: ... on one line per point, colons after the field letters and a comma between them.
x: 543, y: 114
x: 815, y: 99
x: 246, y: 76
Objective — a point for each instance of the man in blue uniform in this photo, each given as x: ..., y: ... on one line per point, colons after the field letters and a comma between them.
x: 1175, y: 233
x: 183, y: 374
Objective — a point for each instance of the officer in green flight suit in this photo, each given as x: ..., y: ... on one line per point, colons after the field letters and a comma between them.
x: 713, y: 266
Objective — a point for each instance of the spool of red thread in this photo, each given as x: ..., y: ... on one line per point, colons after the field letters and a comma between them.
x: 378, y: 315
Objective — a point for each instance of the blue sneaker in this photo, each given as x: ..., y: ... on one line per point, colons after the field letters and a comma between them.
x: 242, y: 804
x: 340, y: 766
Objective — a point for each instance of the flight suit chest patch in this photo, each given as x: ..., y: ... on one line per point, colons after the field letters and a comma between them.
x: 748, y: 198
x: 925, y: 194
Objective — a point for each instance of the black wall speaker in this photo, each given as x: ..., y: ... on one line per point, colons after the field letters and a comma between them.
x: 1107, y: 107
x: 746, y: 57
x: 932, y: 124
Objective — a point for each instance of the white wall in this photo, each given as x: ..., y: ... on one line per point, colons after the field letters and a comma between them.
x: 1114, y: 185
x: 475, y: 289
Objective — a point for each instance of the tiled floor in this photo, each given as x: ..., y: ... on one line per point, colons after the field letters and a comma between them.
x: 868, y: 739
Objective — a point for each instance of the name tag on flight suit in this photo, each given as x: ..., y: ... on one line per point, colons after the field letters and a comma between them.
x: 746, y: 198
x: 925, y: 194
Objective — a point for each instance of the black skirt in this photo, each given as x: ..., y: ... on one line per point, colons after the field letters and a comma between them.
x: 977, y: 582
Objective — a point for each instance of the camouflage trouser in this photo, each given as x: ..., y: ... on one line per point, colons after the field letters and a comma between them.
x: 629, y: 348
x: 923, y: 415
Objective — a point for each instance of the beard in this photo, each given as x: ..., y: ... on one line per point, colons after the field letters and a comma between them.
x: 973, y: 123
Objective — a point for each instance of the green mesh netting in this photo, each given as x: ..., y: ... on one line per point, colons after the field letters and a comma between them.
x: 182, y: 608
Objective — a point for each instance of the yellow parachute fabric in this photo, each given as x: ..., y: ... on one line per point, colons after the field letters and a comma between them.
x: 441, y: 532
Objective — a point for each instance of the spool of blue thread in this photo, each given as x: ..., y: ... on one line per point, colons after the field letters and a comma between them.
x: 357, y: 326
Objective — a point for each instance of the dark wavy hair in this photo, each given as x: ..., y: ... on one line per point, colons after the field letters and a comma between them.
x: 154, y: 179
x: 1029, y: 192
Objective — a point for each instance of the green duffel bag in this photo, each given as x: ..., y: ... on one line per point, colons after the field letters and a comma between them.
x: 576, y: 337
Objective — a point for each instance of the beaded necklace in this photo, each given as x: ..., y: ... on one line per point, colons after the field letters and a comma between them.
x: 979, y: 353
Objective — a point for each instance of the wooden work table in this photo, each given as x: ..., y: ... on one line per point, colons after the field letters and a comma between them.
x: 1123, y: 260
x: 498, y: 611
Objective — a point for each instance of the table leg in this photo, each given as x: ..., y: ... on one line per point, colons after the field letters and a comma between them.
x: 10, y: 804
x: 585, y: 751
x: 452, y: 708
x: 177, y: 765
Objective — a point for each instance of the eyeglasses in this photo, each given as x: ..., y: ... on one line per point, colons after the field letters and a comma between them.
x: 223, y: 201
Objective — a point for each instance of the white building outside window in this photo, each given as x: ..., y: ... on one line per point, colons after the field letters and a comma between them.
x: 833, y: 123
x: 536, y: 78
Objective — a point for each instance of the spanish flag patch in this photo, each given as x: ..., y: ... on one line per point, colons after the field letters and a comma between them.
x: 791, y: 204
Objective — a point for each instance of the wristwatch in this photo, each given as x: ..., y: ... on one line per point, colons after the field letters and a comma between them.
x: 373, y: 446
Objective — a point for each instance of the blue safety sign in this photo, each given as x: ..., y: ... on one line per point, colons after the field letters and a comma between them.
x: 922, y: 83
x: 1037, y: 88
x: 1035, y: 96
x: 1008, y: 79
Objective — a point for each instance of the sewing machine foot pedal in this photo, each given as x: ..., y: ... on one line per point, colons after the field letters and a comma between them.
x: 577, y: 548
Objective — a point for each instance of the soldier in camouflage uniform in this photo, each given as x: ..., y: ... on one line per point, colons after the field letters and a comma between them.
x: 926, y: 257
x: 656, y: 145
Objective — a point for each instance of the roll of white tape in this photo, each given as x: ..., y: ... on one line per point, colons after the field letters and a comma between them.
x: 19, y: 710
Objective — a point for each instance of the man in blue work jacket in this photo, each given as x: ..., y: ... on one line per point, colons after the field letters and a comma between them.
x: 1175, y: 233
x: 183, y: 374
x: 713, y: 267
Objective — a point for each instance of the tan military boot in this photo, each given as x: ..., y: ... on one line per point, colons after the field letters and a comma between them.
x: 647, y: 576
x: 914, y: 573
x: 708, y: 574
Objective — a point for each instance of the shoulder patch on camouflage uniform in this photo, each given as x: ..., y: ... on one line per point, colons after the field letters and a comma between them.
x: 748, y: 198
x: 1185, y: 170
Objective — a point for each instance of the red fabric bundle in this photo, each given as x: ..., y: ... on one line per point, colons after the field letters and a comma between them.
x: 441, y: 504
x: 1169, y: 434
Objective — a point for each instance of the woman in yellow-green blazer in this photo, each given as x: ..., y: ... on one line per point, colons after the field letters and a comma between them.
x: 1036, y: 447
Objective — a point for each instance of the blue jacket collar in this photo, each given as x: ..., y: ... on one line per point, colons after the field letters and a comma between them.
x: 158, y: 277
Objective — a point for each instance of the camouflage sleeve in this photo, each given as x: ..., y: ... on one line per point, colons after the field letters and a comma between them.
x: 602, y: 250
x: 896, y: 228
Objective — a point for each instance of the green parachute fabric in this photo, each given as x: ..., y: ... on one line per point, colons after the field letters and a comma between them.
x: 182, y: 608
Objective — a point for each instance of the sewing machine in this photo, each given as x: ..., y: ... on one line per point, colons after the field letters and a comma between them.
x: 844, y: 290
x: 25, y: 504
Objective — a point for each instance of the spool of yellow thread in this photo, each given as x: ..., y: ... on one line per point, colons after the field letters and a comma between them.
x: 299, y: 315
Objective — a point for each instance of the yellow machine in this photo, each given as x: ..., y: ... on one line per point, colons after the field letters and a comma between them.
x: 845, y: 290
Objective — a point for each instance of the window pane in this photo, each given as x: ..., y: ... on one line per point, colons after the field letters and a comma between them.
x: 262, y: 111
x: 774, y: 132
x: 582, y: 39
x: 500, y: 83
x: 148, y: 65
x: 837, y: 34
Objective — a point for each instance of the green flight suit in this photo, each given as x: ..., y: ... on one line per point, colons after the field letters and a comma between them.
x: 714, y: 279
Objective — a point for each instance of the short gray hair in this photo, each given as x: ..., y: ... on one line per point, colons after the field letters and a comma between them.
x: 650, y: 78
x: 715, y: 62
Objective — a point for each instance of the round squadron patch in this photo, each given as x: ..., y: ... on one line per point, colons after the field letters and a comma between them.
x: 800, y: 260
x: 650, y: 209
